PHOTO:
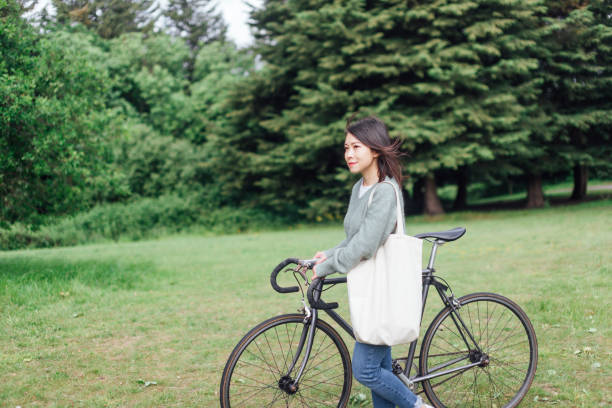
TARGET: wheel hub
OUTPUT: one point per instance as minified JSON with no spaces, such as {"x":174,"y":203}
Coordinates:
{"x":477,"y":356}
{"x":286,"y":384}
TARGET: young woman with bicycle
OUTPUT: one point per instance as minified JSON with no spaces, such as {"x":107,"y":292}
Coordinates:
{"x":369,"y":151}
{"x":479,"y":348}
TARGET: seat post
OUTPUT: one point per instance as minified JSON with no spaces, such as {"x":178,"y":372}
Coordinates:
{"x":432,"y":256}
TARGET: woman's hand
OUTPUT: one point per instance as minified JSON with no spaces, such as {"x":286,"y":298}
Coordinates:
{"x":320,"y":257}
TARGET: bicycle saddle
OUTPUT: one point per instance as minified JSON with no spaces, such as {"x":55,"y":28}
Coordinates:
{"x":449,"y":235}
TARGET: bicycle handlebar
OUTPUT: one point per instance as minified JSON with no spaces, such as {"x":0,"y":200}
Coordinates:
{"x":275,"y":272}
{"x":315,"y":285}
{"x":314,"y":295}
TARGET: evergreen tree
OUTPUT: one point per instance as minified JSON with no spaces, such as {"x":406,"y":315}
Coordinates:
{"x":109,"y":18}
{"x":27,"y":5}
{"x":198,"y":23}
{"x":451,"y":78}
{"x":577,"y":74}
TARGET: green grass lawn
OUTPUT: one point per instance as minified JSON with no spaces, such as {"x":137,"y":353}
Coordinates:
{"x":91,"y":325}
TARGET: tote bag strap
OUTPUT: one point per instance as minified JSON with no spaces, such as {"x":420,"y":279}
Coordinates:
{"x":398,"y":210}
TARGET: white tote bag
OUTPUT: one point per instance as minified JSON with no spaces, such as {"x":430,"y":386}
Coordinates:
{"x":385,"y":291}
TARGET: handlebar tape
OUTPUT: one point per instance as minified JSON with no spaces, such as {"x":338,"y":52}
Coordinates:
{"x":318,"y":304}
{"x":275,"y":272}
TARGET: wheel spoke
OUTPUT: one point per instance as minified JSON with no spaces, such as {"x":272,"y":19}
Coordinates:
{"x":265,"y":336}
{"x":499,"y":332}
{"x":282,"y":351}
{"x":250,"y":396}
{"x":242,"y":377}
{"x":276,"y":395}
{"x":252,"y":380}
{"x":270,"y":368}
{"x":479,"y":325}
{"x":290,"y":354}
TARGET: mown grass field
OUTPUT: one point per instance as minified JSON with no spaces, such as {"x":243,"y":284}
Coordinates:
{"x":92,"y":325}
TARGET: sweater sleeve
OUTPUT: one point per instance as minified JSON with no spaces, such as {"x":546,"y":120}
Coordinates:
{"x":379,"y":222}
{"x":330,"y":251}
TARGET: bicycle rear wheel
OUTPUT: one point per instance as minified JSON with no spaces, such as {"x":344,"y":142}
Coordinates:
{"x":508,"y":354}
{"x":258,"y":367}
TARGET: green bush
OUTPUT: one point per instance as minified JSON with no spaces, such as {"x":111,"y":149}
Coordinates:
{"x":139,"y":219}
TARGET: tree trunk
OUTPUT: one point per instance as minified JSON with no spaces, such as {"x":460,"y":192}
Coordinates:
{"x":535,"y":196}
{"x":415,"y":204}
{"x":581,"y":177}
{"x":431,"y":201}
{"x":462,"y":183}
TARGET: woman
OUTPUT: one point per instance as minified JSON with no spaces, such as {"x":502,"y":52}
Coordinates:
{"x":369,"y":151}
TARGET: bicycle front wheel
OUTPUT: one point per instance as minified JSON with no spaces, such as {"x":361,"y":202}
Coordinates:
{"x":257,"y":371}
{"x":499,"y":337}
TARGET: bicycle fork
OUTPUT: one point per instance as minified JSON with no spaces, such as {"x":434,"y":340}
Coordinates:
{"x":286,"y":383}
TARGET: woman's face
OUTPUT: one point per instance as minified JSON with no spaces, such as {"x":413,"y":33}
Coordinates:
{"x":359,"y":157}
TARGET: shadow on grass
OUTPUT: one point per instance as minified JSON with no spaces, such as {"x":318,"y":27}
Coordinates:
{"x":25,"y":280}
{"x":102,"y":274}
{"x":519,"y":204}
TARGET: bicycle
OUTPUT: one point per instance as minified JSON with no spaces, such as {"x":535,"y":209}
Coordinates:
{"x":479,"y":349}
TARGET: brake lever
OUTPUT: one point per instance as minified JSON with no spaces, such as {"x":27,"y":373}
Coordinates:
{"x":308,"y":263}
{"x":302,"y":271}
{"x":304,"y":267}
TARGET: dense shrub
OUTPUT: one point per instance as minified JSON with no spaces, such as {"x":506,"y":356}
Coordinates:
{"x":143,"y":218}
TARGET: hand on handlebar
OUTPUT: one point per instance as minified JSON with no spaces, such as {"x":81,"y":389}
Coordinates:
{"x":320,"y":257}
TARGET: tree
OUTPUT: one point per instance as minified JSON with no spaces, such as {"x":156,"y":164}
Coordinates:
{"x":198,"y":23}
{"x":109,"y":18}
{"x":50,"y":97}
{"x":452,"y":79}
{"x":577,"y":77}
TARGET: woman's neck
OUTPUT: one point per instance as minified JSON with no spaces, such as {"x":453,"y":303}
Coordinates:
{"x":370,"y":176}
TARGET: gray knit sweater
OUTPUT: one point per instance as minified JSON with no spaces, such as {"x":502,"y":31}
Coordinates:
{"x":366,"y":228}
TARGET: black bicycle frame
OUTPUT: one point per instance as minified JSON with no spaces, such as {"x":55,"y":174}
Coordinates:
{"x":429,"y":279}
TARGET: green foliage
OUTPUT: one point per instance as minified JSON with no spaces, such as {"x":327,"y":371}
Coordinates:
{"x":198,"y":23}
{"x":108,"y":18}
{"x":150,"y":75}
{"x":220,"y":68}
{"x":107,"y":111}
{"x":451,"y":79}
{"x":87,"y":120}
{"x":155,"y":165}
{"x":577,"y":76}
{"x":139,"y":219}
{"x":50,"y":98}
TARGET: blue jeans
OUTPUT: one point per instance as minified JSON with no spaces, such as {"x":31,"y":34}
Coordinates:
{"x":372,"y":368}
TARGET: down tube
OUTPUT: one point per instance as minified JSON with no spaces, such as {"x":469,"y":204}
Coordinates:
{"x":338,"y":319}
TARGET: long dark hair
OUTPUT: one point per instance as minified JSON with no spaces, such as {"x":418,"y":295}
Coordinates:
{"x":372,"y":132}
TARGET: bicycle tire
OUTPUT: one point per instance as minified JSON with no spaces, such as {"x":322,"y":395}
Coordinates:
{"x":503,"y":332}
{"x":259,"y":361}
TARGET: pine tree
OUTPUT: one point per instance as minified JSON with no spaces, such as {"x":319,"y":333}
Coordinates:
{"x":451,"y":78}
{"x":198,"y":23}
{"x":577,"y":74}
{"x":109,"y":18}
